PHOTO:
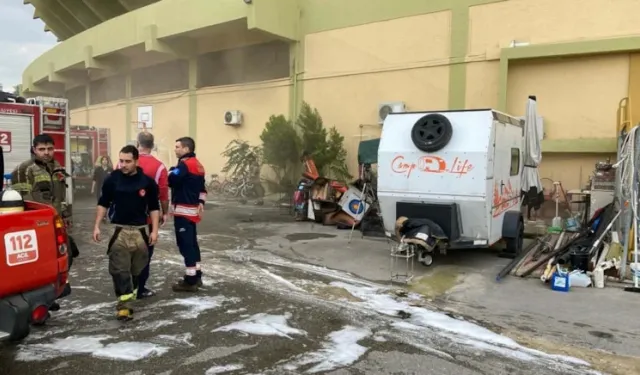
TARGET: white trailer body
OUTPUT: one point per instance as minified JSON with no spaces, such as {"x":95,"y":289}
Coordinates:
{"x":460,"y":169}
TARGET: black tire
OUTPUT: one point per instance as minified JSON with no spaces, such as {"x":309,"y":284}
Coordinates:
{"x":432,"y":132}
{"x":515,"y":245}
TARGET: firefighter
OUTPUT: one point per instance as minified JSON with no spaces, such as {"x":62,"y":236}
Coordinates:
{"x":133,"y":197}
{"x":155,"y":169}
{"x":188,"y":196}
{"x":42,"y":179}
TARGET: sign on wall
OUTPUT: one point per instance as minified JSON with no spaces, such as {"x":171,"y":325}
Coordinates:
{"x":145,"y":117}
{"x":5,"y":141}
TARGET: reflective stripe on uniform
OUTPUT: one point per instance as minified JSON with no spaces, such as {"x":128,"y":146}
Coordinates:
{"x":22,"y":186}
{"x":127,"y":297}
{"x":185,"y":210}
{"x":191,"y":271}
{"x":40,"y":177}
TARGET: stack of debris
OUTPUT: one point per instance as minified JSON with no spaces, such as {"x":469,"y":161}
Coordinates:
{"x":576,"y":257}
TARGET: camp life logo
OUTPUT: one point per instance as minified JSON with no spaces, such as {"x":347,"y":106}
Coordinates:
{"x":431,"y":164}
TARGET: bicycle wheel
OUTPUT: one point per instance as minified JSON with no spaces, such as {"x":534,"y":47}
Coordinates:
{"x":238,"y":191}
{"x":228,"y":189}
{"x":213,"y":187}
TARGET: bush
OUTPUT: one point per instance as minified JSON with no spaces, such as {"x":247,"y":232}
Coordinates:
{"x":240,"y":156}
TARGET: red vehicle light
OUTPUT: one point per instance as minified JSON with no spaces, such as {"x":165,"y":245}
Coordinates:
{"x":61,"y":236}
{"x":39,"y":314}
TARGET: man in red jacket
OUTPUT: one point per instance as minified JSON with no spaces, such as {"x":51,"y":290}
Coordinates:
{"x":188,"y":196}
{"x":156,"y":170}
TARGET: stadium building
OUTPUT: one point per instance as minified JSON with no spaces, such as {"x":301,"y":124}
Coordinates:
{"x":180,"y":66}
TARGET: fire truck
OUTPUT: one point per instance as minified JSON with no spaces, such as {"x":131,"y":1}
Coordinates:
{"x":87,"y":146}
{"x":22,"y":119}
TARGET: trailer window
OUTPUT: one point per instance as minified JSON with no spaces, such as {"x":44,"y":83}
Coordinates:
{"x":515,"y":162}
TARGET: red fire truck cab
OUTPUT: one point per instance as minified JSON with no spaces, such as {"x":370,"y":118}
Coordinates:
{"x":20,"y":122}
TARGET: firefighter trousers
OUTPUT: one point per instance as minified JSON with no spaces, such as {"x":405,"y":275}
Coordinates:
{"x":128,"y":255}
{"x":187,"y":241}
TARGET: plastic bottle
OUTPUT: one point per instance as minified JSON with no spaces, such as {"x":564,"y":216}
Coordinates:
{"x":598,"y":277}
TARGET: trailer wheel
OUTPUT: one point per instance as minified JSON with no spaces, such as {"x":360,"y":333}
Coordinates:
{"x":514,"y":245}
{"x":432,"y":132}
{"x":425,"y":259}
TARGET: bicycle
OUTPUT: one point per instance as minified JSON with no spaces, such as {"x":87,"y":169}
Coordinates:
{"x":239,"y":186}
{"x":214,"y":185}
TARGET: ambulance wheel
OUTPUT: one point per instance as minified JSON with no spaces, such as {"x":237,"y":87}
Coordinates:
{"x":432,"y":132}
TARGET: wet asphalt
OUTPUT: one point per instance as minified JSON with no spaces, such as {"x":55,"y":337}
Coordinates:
{"x":256,"y":314}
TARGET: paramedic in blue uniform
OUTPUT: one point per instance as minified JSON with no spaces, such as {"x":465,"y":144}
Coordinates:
{"x":188,"y":195}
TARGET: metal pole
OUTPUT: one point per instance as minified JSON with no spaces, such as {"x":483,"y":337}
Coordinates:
{"x":362,"y":197}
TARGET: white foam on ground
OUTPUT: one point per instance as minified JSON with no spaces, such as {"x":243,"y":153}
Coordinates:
{"x":181,"y":339}
{"x":152,"y":325}
{"x":92,"y":345}
{"x":460,"y":331}
{"x":341,"y":349}
{"x":96,"y":308}
{"x":130,"y":351}
{"x":281,"y":280}
{"x":196,"y":305}
{"x":310,"y":268}
{"x":222,"y":369}
{"x":235,"y":311}
{"x":263,"y":325}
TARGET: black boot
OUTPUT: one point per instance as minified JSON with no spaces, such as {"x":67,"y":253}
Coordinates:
{"x":188,"y":284}
{"x":199,"y":276}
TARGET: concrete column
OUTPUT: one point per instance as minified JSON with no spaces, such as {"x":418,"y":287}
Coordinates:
{"x":128,"y":106}
{"x":87,"y":102}
{"x":193,"y":97}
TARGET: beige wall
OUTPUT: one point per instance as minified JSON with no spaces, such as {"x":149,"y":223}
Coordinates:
{"x":547,"y":21}
{"x":482,"y":84}
{"x":349,"y":71}
{"x":171,"y":119}
{"x":257,"y":103}
{"x":573,"y":170}
{"x":578,"y":97}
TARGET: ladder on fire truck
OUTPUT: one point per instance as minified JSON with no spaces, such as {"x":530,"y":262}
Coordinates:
{"x":51,"y":107}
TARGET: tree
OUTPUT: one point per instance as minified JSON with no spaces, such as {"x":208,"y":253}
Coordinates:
{"x":326,"y":148}
{"x":281,"y":149}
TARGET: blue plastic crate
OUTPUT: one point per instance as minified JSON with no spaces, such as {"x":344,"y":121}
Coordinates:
{"x":560,"y":281}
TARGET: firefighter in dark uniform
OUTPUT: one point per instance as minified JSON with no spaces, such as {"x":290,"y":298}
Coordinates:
{"x":42,"y":179}
{"x":188,"y":196}
{"x":132,"y":197}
